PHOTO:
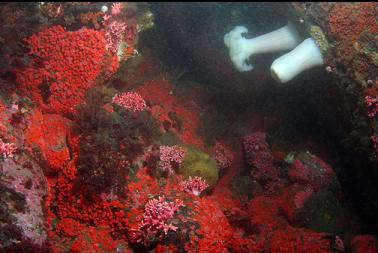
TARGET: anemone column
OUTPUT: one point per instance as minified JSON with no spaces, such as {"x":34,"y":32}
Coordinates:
{"x":305,"y":56}
{"x":241,"y":49}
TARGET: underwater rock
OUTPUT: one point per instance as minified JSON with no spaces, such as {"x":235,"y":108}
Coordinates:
{"x":325,"y":211}
{"x":307,"y":169}
{"x":25,"y":188}
{"x":259,"y":157}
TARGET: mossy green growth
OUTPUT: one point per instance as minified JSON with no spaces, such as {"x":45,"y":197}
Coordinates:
{"x":198,"y":163}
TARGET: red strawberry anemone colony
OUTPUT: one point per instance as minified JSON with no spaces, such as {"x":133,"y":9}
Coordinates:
{"x":125,"y":128}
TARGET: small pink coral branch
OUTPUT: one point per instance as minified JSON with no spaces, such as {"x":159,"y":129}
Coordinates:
{"x":155,"y":223}
{"x":169,"y":155}
{"x":372,"y":105}
{"x":116,"y":8}
{"x":7,"y":149}
{"x":130,"y":101}
{"x":119,"y":34}
{"x":259,"y":157}
{"x":223,"y":156}
{"x":194,"y":185}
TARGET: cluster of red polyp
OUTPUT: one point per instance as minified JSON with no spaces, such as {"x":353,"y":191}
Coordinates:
{"x":48,"y":133}
{"x":85,"y":238}
{"x":210,"y":218}
{"x":68,"y":206}
{"x":299,"y":240}
{"x":352,"y":23}
{"x":63,"y":66}
{"x":354,"y":27}
{"x":74,"y":224}
{"x":171,"y":111}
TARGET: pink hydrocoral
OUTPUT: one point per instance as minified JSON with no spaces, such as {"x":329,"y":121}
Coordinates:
{"x":259,"y":157}
{"x":372,"y":105}
{"x":155,"y":223}
{"x":7,"y":149}
{"x":170,"y":154}
{"x":114,"y":33}
{"x":130,"y":101}
{"x":116,"y":8}
{"x":223,"y":156}
{"x":194,"y":185}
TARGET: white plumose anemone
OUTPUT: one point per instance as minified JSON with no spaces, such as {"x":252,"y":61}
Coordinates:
{"x":241,"y":49}
{"x":305,"y":56}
